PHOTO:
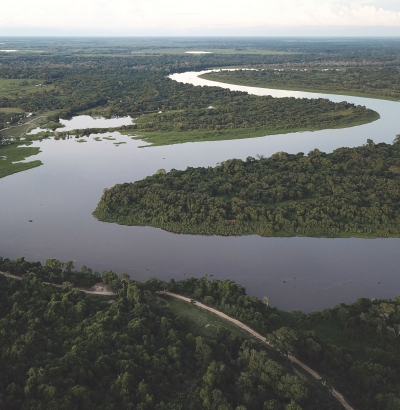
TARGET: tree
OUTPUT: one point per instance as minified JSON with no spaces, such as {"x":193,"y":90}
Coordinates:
{"x":283,"y":339}
{"x":54,"y":264}
{"x":69,"y":265}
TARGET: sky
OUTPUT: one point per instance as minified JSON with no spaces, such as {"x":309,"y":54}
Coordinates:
{"x":202,"y":18}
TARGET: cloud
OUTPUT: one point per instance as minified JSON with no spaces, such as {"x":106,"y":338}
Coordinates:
{"x":182,"y":16}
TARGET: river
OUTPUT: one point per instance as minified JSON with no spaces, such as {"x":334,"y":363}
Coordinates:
{"x":295,"y":273}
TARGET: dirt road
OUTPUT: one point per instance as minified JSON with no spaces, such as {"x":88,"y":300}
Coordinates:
{"x":25,"y":123}
{"x":89,"y":292}
{"x":339,"y":397}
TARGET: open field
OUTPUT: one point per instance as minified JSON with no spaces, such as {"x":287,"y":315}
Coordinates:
{"x":11,"y":110}
{"x":17,"y":131}
{"x":200,"y":321}
{"x":17,"y":86}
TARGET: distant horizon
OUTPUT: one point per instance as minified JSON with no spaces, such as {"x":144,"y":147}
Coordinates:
{"x":291,"y":36}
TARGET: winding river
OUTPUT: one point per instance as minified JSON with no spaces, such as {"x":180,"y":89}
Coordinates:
{"x":295,"y":273}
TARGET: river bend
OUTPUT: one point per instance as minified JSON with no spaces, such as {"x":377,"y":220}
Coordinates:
{"x":295,"y":273}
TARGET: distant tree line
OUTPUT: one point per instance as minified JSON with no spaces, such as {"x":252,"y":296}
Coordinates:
{"x":379,"y":81}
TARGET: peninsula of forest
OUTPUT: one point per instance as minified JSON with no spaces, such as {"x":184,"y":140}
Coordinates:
{"x":351,"y":192}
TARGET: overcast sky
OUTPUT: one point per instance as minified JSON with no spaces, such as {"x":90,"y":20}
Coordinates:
{"x":206,"y":17}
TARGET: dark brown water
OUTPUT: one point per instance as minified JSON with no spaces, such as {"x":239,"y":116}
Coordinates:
{"x":295,"y":273}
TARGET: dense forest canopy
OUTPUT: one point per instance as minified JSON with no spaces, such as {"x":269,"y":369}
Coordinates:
{"x":355,"y":347}
{"x":125,"y":76}
{"x":349,"y":192}
{"x":132,"y":352}
{"x":62,"y":350}
{"x":136,"y":92}
{"x":381,"y":81}
{"x":48,"y":79}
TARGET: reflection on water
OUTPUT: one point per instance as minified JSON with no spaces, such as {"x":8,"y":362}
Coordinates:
{"x":86,"y":121}
{"x":295,"y":273}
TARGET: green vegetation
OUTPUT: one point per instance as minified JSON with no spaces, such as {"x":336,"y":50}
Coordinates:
{"x":52,"y":125}
{"x":374,"y":82}
{"x":165,"y":106}
{"x":144,"y":351}
{"x":200,"y":321}
{"x":60,"y":349}
{"x":350,"y":192}
{"x":12,"y":153}
{"x":11,"y":110}
{"x":232,"y":115}
{"x":114,"y":80}
{"x":15,"y":124}
{"x":9,"y":86}
{"x":176,"y":137}
{"x":355,"y":347}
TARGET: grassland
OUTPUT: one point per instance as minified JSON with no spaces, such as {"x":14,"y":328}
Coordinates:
{"x":158,"y":138}
{"x":11,"y":110}
{"x":14,"y":153}
{"x":16,"y":86}
{"x":18,"y":131}
{"x":198,"y":320}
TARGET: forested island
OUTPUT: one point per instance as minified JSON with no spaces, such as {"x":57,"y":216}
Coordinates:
{"x":374,"y":82}
{"x":62,"y":348}
{"x":349,"y":192}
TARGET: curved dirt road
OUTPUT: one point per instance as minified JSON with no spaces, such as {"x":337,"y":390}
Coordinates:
{"x":339,"y":397}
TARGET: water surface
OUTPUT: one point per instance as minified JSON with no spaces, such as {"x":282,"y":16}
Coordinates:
{"x":295,"y":273}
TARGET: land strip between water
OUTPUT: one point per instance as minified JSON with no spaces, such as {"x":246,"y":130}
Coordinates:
{"x":338,"y":396}
{"x":370,"y":82}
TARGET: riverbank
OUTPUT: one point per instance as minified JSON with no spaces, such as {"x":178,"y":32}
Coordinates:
{"x":338,"y":396}
{"x":252,"y":78}
{"x":351,"y":192}
{"x":180,"y":137}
